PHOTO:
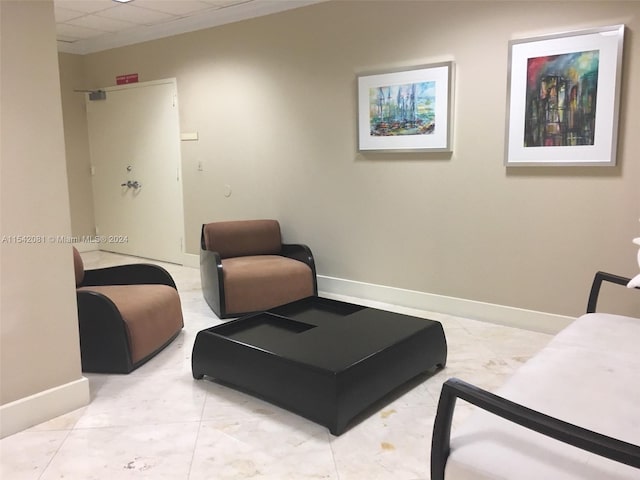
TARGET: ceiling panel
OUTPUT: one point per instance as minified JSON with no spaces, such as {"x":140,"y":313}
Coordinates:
{"x":227,"y":3}
{"x":85,"y":6}
{"x":141,"y":16}
{"x":101,"y":23}
{"x":86,"y":26}
{"x":64,"y":15}
{"x":175,"y":7}
{"x":77,"y":32}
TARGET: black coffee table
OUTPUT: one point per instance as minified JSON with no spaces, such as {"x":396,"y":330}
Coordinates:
{"x":323,"y":359}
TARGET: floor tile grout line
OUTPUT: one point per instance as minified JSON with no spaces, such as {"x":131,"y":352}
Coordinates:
{"x":66,"y":437}
{"x":333,"y":454}
{"x":195,"y":443}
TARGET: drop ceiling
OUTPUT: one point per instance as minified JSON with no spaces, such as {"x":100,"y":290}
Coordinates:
{"x":87,"y":26}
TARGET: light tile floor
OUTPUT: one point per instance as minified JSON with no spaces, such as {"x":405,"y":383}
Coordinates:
{"x":160,"y":423}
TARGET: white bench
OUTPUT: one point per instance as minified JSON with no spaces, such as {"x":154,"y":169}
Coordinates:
{"x":542,"y":424}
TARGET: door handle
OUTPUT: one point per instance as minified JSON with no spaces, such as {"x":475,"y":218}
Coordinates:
{"x":135,"y":184}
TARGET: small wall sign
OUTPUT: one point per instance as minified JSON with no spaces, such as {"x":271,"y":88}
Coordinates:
{"x":128,"y":78}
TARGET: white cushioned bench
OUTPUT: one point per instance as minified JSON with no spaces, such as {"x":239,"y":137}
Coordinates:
{"x":586,"y":380}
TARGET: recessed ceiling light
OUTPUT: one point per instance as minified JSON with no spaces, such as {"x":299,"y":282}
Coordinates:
{"x":123,"y":1}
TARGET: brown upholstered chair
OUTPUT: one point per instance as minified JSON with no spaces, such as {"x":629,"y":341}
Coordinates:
{"x":245,"y":267}
{"x":127,"y":314}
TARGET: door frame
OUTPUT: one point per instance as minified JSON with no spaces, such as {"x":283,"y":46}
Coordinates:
{"x":173,"y":81}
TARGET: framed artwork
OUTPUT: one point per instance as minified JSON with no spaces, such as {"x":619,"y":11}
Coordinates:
{"x":408,"y":110}
{"x":563,"y":98}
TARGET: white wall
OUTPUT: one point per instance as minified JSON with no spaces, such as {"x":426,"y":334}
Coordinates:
{"x":39,"y":346}
{"x":274,"y":102}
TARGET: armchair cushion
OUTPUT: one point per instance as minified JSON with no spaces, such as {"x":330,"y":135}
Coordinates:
{"x":634,"y":282}
{"x":242,"y":238}
{"x":151,"y":314}
{"x":261,"y":282}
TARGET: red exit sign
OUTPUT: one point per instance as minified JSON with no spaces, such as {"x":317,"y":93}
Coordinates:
{"x":128,"y":78}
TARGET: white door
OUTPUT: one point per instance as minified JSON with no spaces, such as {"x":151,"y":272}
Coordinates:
{"x":134,"y":140}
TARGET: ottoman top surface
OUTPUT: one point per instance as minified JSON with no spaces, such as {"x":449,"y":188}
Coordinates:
{"x":325,"y":334}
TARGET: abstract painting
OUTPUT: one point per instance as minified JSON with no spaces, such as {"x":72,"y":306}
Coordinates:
{"x":407,"y":110}
{"x":564,"y":93}
{"x":402,"y":109}
{"x":561,"y":99}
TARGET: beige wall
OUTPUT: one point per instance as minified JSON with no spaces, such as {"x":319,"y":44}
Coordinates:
{"x":39,"y":346}
{"x":273,"y":101}
{"x":72,"y":78}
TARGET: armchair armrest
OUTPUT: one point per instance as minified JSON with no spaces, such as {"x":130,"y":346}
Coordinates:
{"x":303,"y":254}
{"x":298,"y":252}
{"x":454,"y":388}
{"x":597,"y":283}
{"x":103,"y":335}
{"x":138,"y":273}
{"x":212,"y":281}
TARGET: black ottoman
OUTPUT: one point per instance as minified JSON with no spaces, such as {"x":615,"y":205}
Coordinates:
{"x":323,"y":359}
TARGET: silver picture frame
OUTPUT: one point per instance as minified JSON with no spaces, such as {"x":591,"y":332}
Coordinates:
{"x":563,"y":98}
{"x":408,"y":110}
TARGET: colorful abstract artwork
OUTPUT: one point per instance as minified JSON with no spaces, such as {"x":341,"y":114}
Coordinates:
{"x":561,"y":96}
{"x":564,"y":98}
{"x":407,"y":109}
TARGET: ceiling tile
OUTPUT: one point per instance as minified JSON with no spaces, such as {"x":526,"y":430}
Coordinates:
{"x":175,"y":7}
{"x":86,"y":26}
{"x":227,"y":3}
{"x":143,"y":16}
{"x":74,"y":31}
{"x":63,"y":14}
{"x":104,"y":24}
{"x":86,"y":6}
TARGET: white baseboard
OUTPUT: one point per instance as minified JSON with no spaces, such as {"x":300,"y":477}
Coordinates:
{"x":488,"y":312}
{"x":40,"y":407}
{"x":459,"y":307}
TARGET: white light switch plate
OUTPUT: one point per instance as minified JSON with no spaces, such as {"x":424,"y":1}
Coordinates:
{"x":189,"y":136}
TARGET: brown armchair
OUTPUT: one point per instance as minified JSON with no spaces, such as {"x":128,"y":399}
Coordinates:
{"x":126,"y":314}
{"x":245,"y":267}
